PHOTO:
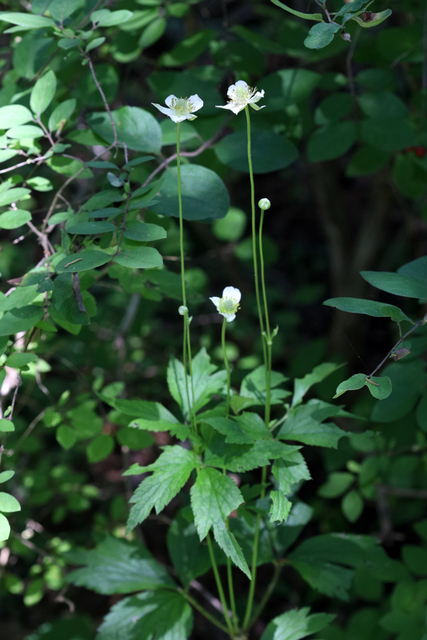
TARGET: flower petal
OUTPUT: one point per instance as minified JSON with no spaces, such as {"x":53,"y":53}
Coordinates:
{"x":170,"y":100}
{"x":165,"y":110}
{"x":196,"y":102}
{"x":233,"y":293}
{"x":216,"y":301}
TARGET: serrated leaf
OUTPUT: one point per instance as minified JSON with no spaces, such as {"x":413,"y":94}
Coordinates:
{"x":244,"y":429}
{"x":228,"y":543}
{"x":164,"y":615}
{"x":170,"y":472}
{"x":304,"y":423}
{"x":289,"y":469}
{"x":280,"y":507}
{"x":296,"y":624}
{"x":213,"y":497}
{"x":319,"y":373}
{"x":240,"y":458}
{"x":117,"y":566}
{"x":254,"y":387}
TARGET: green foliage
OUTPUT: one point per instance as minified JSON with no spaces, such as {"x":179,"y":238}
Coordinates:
{"x":110,"y":395}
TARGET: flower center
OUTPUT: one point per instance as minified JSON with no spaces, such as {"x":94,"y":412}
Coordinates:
{"x":241,"y":95}
{"x":182,"y":106}
{"x":228,"y":305}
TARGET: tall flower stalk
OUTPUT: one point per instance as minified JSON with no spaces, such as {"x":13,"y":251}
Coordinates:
{"x":178,"y":110}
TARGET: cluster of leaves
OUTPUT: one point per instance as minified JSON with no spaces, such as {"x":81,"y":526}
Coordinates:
{"x":90,"y":188}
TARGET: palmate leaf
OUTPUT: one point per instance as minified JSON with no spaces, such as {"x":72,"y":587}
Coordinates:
{"x":304,"y":423}
{"x":170,"y":472}
{"x":207,"y":381}
{"x":163,"y":615}
{"x":296,"y":624}
{"x":117,"y":566}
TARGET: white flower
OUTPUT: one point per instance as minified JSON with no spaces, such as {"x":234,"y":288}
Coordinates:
{"x":228,"y":305}
{"x":180,"y":109}
{"x":241,"y":94}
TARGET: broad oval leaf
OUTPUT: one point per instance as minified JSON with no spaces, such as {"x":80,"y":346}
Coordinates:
{"x":204,"y":195}
{"x":43,"y":92}
{"x":8,"y":503}
{"x":82,"y":261}
{"x":14,"y":218}
{"x":331,"y":141}
{"x":321,"y":35}
{"x":140,"y":258}
{"x":144,"y":232}
{"x":27,"y":20}
{"x":13,"y":115}
{"x":4,"y":528}
{"x":270,"y":151}
{"x":20,"y":319}
{"x":136,"y":128}
{"x":396,"y":283}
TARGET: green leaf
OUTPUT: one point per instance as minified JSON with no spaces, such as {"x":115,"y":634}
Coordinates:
{"x":204,"y":195}
{"x":24,"y":132}
{"x":388,"y":134}
{"x":289,"y":469}
{"x":380,"y":388}
{"x":213,"y":497}
{"x":369,"y":308}
{"x":396,"y":283}
{"x":13,"y":115}
{"x":6,"y":475}
{"x":20,"y":360}
{"x":170,"y":472}
{"x":357,"y":381}
{"x":331,"y":141}
{"x":304,"y":423}
{"x":228,"y":543}
{"x":4,"y":528}
{"x":382,"y":104}
{"x":8,"y":504}
{"x":6,"y":426}
{"x":163,"y":615}
{"x":270,"y":151}
{"x":26,"y":20}
{"x":379,"y":17}
{"x":14,"y":218}
{"x":20,"y":320}
{"x":352,"y":506}
{"x":13,"y":195}
{"x":105,"y":18}
{"x":207,"y":381}
{"x":190,"y":558}
{"x":254,"y":387}
{"x":59,"y":116}
{"x":189,"y":48}
{"x":136,"y":128}
{"x":144,"y":232}
{"x":409,"y":380}
{"x":99,"y":448}
{"x":61,"y":9}
{"x":43,"y":93}
{"x":139,"y":258}
{"x":244,"y":429}
{"x":66,"y":436}
{"x":296,"y":624}
{"x":91,"y":227}
{"x":319,"y":373}
{"x":306,"y":16}
{"x":117,"y":566}
{"x":326,"y":563}
{"x":336,"y":484}
{"x":150,"y":416}
{"x":321,"y":35}
{"x":93,"y":44}
{"x":280,"y":507}
{"x":153,"y":32}
{"x":240,"y":458}
{"x":83,"y":261}
{"x":416,"y":559}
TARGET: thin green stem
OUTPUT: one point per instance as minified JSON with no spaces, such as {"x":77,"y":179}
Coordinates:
{"x":186,"y":344}
{"x":203,"y":611}
{"x":267,"y":335}
{"x":219,"y":587}
{"x":253,"y":218}
{"x":267,"y":594}
{"x":227,"y":367}
{"x":231,"y":590}
{"x":251,"y":594}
